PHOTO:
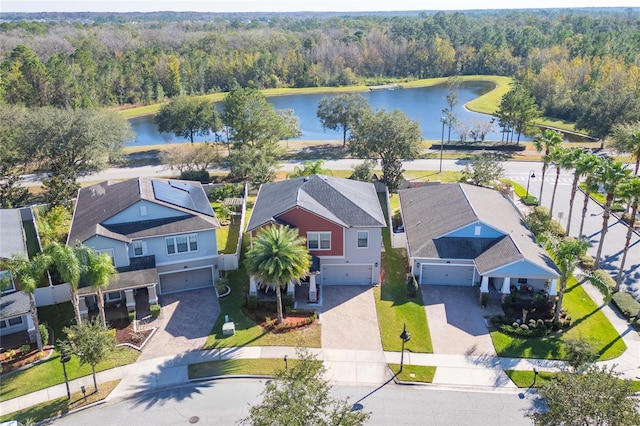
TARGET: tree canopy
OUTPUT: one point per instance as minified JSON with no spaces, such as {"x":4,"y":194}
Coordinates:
{"x":389,"y":136}
{"x":188,"y":117}
{"x":301,"y":396}
{"x":342,"y":112}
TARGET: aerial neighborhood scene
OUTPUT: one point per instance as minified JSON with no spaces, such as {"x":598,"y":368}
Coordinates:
{"x":330,"y":213}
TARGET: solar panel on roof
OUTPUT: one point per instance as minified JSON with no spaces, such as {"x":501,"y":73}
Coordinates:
{"x":182,"y":195}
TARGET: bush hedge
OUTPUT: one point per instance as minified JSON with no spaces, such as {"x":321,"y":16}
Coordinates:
{"x":196,"y":175}
{"x":478,"y":146}
{"x":155,"y":310}
{"x":602,"y":279}
{"x":626,"y":303}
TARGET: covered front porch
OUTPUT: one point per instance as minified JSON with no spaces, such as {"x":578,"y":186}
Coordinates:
{"x":310,"y":279}
{"x":523,"y":286}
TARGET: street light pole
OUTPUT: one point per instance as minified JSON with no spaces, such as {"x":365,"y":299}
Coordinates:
{"x":531,"y":175}
{"x":64,"y":358}
{"x":405,"y":338}
{"x":441,"y":143}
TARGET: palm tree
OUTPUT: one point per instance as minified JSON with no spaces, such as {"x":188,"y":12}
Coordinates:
{"x":610,"y":175}
{"x":545,"y":142}
{"x":626,"y":138}
{"x":565,"y":252}
{"x":591,"y":167}
{"x":97,"y":270}
{"x":277,"y":257}
{"x":563,"y":159}
{"x":630,"y":191}
{"x":584,"y":163}
{"x":309,"y":168}
{"x":29,"y":272}
{"x":68,"y":265}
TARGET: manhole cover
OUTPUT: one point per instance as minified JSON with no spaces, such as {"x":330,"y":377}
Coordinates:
{"x":194,"y":419}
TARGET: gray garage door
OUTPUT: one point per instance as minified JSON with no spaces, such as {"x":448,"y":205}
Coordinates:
{"x":187,"y":280}
{"x":447,"y":275}
{"x":346,"y":274}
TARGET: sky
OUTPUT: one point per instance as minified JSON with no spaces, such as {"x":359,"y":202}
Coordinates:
{"x":292,"y":5}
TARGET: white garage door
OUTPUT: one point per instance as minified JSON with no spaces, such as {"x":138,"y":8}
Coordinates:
{"x":346,"y":274}
{"x":447,"y":275}
{"x":186,"y":280}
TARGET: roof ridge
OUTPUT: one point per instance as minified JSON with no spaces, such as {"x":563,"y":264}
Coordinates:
{"x":466,"y":197}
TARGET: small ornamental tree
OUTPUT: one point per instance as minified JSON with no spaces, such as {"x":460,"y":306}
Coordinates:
{"x":300,"y":396}
{"x":91,"y":342}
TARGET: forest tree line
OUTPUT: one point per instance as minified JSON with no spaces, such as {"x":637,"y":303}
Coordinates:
{"x":577,"y":65}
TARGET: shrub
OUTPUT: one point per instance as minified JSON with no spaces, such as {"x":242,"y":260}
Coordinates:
{"x":602,"y":279}
{"x":617,"y":208}
{"x":626,"y":304}
{"x":540,"y":322}
{"x":25,"y":349}
{"x":287,"y":300}
{"x":228,"y":190}
{"x":198,"y":175}
{"x":10,"y":354}
{"x":530,"y":201}
{"x":155,"y":310}
{"x":523,"y":330}
{"x":44,"y":333}
{"x":587,"y":262}
{"x":412,"y":285}
{"x":524,"y":327}
{"x":132,"y":316}
{"x":484,"y":299}
{"x":252,"y":302}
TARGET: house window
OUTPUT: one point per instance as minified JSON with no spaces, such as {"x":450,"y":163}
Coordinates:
{"x":110,"y":252}
{"x":363,"y":239}
{"x":477,"y":230}
{"x":522,"y":280}
{"x":182,"y":244}
{"x":6,"y":280}
{"x":138,"y":248}
{"x":143,"y":210}
{"x":113,"y":296}
{"x":3,"y":324}
{"x":319,"y":240}
{"x":15,"y":321}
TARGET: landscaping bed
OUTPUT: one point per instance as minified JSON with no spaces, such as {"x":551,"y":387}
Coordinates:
{"x":15,"y":358}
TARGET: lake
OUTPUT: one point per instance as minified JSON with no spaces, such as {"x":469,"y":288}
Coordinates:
{"x":423,"y":104}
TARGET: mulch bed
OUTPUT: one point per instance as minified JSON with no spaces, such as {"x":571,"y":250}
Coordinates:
{"x":21,"y":359}
{"x":126,"y":335}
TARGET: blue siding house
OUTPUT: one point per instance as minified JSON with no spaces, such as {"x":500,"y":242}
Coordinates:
{"x":161,"y":235}
{"x":459,"y":234}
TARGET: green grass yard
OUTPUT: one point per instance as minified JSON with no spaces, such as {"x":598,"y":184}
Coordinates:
{"x":524,"y":378}
{"x":254,"y":367}
{"x":414,"y":373}
{"x":588,"y":322}
{"x":393,"y":305}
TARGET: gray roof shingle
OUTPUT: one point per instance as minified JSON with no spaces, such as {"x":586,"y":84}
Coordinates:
{"x":346,"y":202}
{"x":432,"y":212}
{"x":99,"y":202}
{"x":14,"y":304}
{"x":12,"y":238}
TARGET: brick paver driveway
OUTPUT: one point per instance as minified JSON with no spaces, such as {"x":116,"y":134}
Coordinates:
{"x":185,"y":323}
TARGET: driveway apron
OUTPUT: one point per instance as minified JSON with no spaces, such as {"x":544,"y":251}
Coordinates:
{"x":184,"y":324}
{"x":456,"y":321}
{"x":349,"y":320}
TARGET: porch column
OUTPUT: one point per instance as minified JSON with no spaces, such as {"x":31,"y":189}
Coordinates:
{"x":253,"y":288}
{"x":553,"y":287}
{"x":131,"y":301}
{"x":82,"y":307}
{"x":153,"y":295}
{"x":506,"y":285}
{"x":484,"y":285}
{"x":313,"y":290}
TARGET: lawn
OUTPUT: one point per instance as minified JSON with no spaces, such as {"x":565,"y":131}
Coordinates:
{"x":414,"y":373}
{"x":524,"y":378}
{"x":393,"y":305}
{"x":59,"y":406}
{"x":253,"y":367}
{"x":49,"y":372}
{"x":248,"y":332}
{"x":588,"y":322}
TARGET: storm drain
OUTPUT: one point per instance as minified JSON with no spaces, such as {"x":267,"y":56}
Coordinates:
{"x":194,"y":419}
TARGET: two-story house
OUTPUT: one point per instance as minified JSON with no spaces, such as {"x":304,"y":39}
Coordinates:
{"x":341,"y":220}
{"x":459,"y":234}
{"x":15,"y":314}
{"x":161,"y":235}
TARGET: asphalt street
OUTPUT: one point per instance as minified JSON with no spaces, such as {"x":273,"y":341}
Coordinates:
{"x":224,"y":402}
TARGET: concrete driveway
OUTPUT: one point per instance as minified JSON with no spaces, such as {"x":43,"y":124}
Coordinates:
{"x":457,"y":322}
{"x":349,"y":320}
{"x":184,"y":324}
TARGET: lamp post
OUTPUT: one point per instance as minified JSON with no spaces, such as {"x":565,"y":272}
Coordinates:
{"x":405,"y":338}
{"x":441,"y":143}
{"x":531,"y":175}
{"x":535,"y":376}
{"x":286,"y":362}
{"x":64,"y":358}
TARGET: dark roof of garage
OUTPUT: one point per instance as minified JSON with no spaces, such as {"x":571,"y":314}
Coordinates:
{"x":430,"y":213}
{"x":99,"y":202}
{"x":14,"y":304}
{"x":346,"y":202}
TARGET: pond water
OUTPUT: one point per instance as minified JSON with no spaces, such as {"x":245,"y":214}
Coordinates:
{"x":423,"y":104}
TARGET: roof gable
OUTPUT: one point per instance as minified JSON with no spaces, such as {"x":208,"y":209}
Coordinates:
{"x":345,"y":202}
